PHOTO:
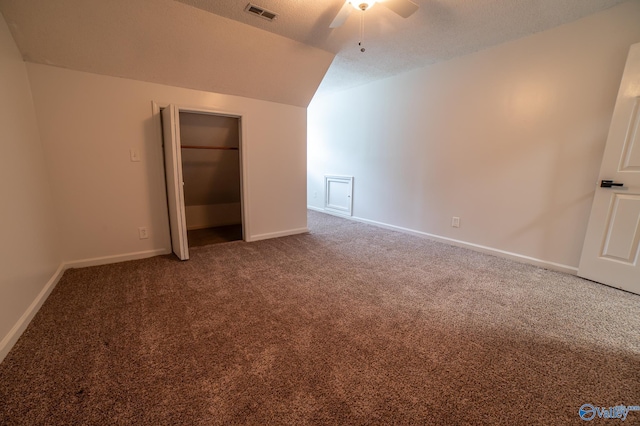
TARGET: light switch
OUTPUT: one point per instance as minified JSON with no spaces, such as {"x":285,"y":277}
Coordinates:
{"x":135,"y":157}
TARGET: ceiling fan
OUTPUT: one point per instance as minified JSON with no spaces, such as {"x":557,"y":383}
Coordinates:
{"x":404,"y":8}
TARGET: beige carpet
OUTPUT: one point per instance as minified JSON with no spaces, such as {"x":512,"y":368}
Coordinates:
{"x":350,"y":324}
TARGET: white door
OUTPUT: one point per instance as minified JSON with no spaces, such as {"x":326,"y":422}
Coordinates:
{"x":611,"y":247}
{"x":175,"y":190}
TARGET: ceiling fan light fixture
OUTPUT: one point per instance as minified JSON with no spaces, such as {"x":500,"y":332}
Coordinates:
{"x":362,"y":4}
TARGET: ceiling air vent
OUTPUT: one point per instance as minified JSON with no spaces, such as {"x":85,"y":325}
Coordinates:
{"x":258,"y":11}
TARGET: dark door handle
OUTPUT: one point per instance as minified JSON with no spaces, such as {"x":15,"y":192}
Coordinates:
{"x":609,"y":184}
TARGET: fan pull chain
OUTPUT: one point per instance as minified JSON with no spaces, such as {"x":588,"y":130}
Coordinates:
{"x":361,"y":42}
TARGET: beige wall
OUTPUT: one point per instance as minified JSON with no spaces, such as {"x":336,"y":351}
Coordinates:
{"x":29,"y":253}
{"x":508,"y":139}
{"x":89,"y":123}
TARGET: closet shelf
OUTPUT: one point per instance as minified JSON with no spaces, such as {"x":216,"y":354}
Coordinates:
{"x":208,"y":147}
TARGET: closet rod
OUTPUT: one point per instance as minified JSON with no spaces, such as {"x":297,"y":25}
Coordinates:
{"x":208,"y":147}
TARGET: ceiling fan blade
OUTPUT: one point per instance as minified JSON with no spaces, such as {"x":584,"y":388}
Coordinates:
{"x":404,"y":8}
{"x":341,"y":16}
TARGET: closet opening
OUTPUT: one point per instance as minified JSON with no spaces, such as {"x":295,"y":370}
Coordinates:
{"x":210,"y":146}
{"x":203,"y":169}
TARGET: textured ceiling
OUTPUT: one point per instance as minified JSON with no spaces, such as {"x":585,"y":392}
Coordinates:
{"x":439,"y":30}
{"x":214,"y":45}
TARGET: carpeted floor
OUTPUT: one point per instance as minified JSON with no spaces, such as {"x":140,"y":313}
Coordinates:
{"x":350,"y":324}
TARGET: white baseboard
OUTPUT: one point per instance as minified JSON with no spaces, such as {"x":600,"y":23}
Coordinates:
{"x":277,"y":234}
{"x":16,"y":331}
{"x":105,"y":260}
{"x":458,"y":243}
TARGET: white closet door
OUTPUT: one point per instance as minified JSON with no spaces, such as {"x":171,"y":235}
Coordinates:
{"x":611,"y":250}
{"x":175,"y":190}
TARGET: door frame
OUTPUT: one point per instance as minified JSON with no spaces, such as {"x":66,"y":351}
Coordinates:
{"x":156,"y":109}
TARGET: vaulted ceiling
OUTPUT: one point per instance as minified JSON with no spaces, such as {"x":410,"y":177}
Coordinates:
{"x":215,"y":45}
{"x":167,"y":42}
{"x":439,"y":30}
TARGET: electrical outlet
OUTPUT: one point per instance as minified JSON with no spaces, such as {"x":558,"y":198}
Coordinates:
{"x":134,"y":156}
{"x":143,"y":233}
{"x":315,"y":194}
{"x":455,"y":222}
